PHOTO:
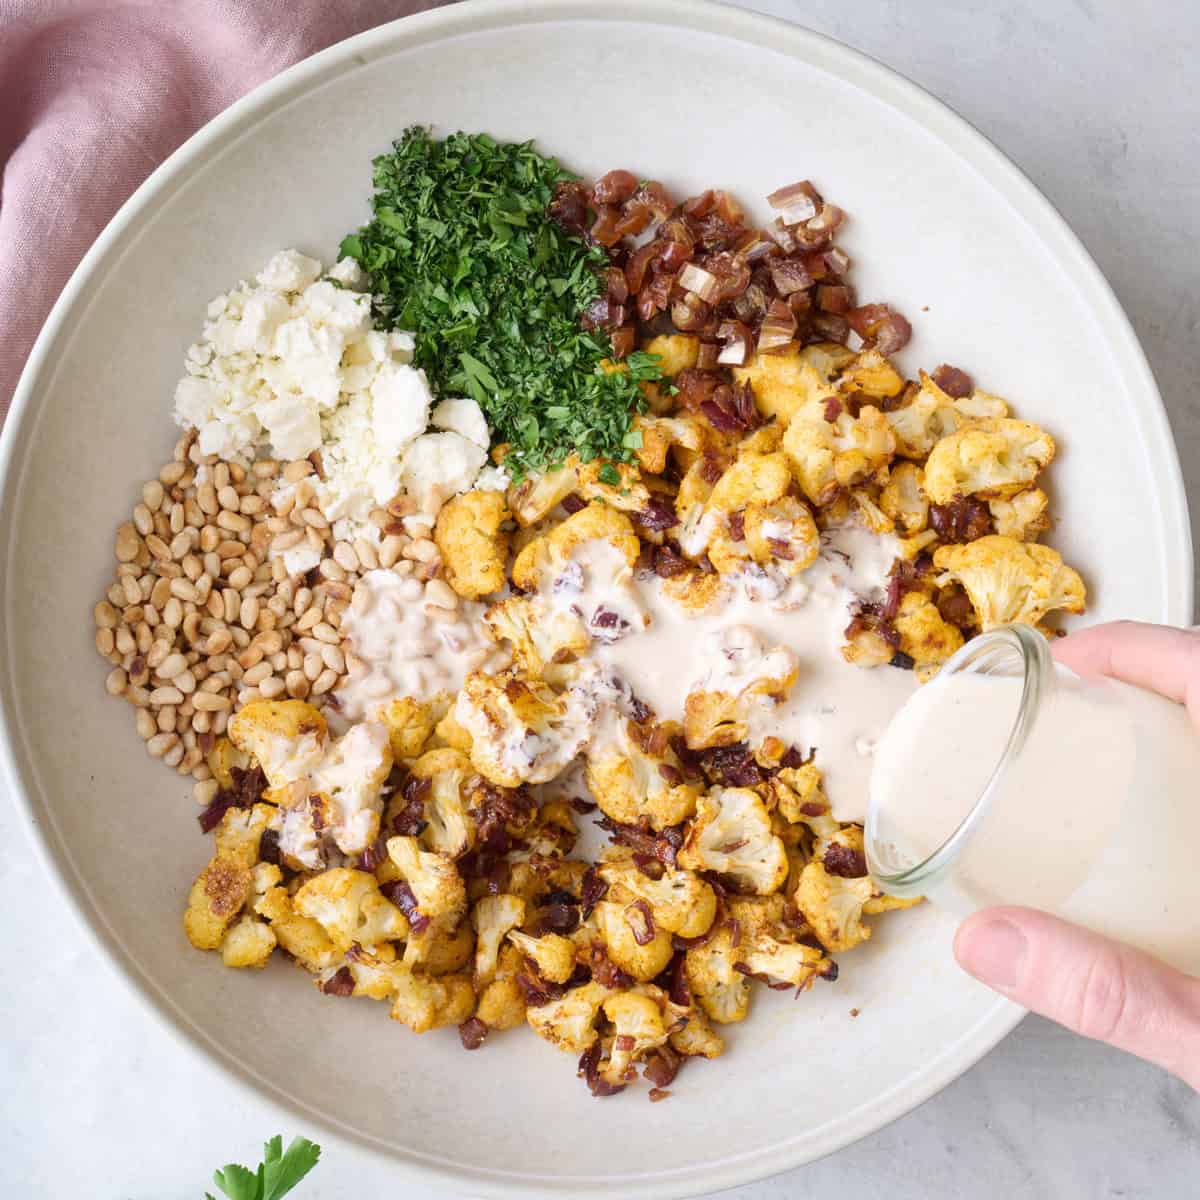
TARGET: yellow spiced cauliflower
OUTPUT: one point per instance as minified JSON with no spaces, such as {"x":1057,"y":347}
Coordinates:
{"x":831,"y":450}
{"x":474,"y":547}
{"x":550,"y":552}
{"x":993,"y":458}
{"x":784,"y":383}
{"x":931,"y":414}
{"x":1009,"y":581}
{"x":541,"y":636}
{"x":731,"y":835}
{"x":1023,"y":516}
{"x":635,"y":775}
{"x":782,"y":533}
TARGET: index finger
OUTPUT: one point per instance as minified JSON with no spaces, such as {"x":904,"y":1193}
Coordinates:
{"x":1158,"y":657}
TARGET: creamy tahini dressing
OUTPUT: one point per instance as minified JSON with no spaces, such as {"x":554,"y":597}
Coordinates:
{"x":834,"y":709}
{"x":399,"y":649}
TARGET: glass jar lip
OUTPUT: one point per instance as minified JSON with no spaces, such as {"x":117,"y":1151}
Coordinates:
{"x":1014,"y":645}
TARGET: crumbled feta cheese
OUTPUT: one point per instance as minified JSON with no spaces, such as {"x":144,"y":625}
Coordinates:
{"x":493,"y":479}
{"x":440,"y":465}
{"x":292,"y":363}
{"x":349,"y":274}
{"x":462,"y":415}
{"x":289,"y":271}
{"x":300,"y":559}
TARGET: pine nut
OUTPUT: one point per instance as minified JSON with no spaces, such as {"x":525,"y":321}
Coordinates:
{"x":365,"y":552}
{"x":174,"y":756}
{"x":439,"y":592}
{"x":313,"y":666}
{"x":362,"y":599}
{"x":271,"y":687}
{"x":172,"y":665}
{"x":228,"y":498}
{"x":105,"y":641}
{"x":293,"y":472}
{"x":160,"y":743}
{"x":233,"y":522}
{"x":166,"y":695}
{"x":248,"y":614}
{"x":152,"y":495}
{"x":421,"y":550}
{"x":125,"y":642}
{"x":326,"y":680}
{"x":105,"y":615}
{"x":390,"y":550}
{"x":240,"y":577}
{"x":185,"y":681}
{"x":325,"y":632}
{"x":333,"y":658}
{"x":116,"y":681}
{"x":183,"y":589}
{"x":210,"y":702}
{"x":146,"y":726}
{"x":127,"y":543}
{"x":256,"y":674}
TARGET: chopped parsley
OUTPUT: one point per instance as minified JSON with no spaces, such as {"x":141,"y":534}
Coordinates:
{"x":463,"y":254}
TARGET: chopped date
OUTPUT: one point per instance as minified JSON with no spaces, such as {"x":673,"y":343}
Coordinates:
{"x":248,"y":787}
{"x":844,"y":861}
{"x":472,"y":1033}
{"x":589,"y":1070}
{"x":962,"y":520}
{"x":340,"y":983}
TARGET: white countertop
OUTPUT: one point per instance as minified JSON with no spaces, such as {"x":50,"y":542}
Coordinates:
{"x":1102,"y":110}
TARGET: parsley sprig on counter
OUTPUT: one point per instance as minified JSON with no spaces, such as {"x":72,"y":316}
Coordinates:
{"x":277,"y":1174}
{"x":464,"y":255}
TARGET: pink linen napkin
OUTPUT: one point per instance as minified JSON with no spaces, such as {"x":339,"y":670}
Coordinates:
{"x":94,"y":95}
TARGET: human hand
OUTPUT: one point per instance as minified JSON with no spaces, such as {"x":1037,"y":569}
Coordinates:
{"x":1096,"y":987}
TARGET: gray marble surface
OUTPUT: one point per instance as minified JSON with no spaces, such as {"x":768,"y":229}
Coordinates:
{"x":1097,"y":101}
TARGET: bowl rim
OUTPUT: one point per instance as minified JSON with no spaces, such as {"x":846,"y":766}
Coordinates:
{"x":737,"y":25}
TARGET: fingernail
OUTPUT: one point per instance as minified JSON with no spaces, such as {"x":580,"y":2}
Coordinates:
{"x":994,"y":952}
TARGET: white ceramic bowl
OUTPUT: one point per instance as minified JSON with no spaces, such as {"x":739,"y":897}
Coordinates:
{"x":697,"y":96}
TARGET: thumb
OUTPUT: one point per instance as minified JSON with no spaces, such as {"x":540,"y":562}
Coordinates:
{"x":1093,"y":986}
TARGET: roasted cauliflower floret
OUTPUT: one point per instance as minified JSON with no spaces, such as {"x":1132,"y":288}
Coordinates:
{"x":751,"y":479}
{"x":302,"y":937}
{"x":540,"y":635}
{"x":502,"y":1003}
{"x":634,"y":942}
{"x":782,"y":533}
{"x":660,"y":434}
{"x":223,"y":757}
{"x":434,"y":879}
{"x":248,"y":943}
{"x":697,"y":1039}
{"x":551,"y":953}
{"x":800,"y":799}
{"x":522,"y":731}
{"x":552,"y":551}
{"x":440,"y":948}
{"x":409,"y":724}
{"x":287,"y":737}
{"x":680,"y":902}
{"x":743,"y":674}
{"x":450,"y":830}
{"x":473,"y":543}
{"x":828,"y":455}
{"x":348,"y":905}
{"x":570,"y":1021}
{"x":422,"y":1002}
{"x":731,"y":835}
{"x":695,"y":591}
{"x":924,"y":636}
{"x":227,"y":882}
{"x":932,"y":414}
{"x":634,"y":774}
{"x":721,"y":991}
{"x":1009,"y":581}
{"x":767,"y":947}
{"x":642,"y":1021}
{"x":870,"y":374}
{"x":833,"y":906}
{"x":538,"y":494}
{"x":493,"y":917}
{"x":991,"y":459}
{"x":784,"y":383}
{"x":351,"y":776}
{"x":1023,"y":516}
{"x":676,"y":352}
{"x":628,"y":494}
{"x":903,"y":499}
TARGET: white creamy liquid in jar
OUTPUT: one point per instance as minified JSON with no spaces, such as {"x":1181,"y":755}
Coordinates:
{"x":1095,"y":818}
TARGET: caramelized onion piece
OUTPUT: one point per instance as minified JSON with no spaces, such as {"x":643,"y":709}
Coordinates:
{"x":737,"y":339}
{"x":689,"y":312}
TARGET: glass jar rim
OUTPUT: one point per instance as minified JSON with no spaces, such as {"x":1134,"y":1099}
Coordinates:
{"x":1013,"y":645}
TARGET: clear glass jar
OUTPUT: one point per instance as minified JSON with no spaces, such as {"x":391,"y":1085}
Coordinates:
{"x":1009,"y":779}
